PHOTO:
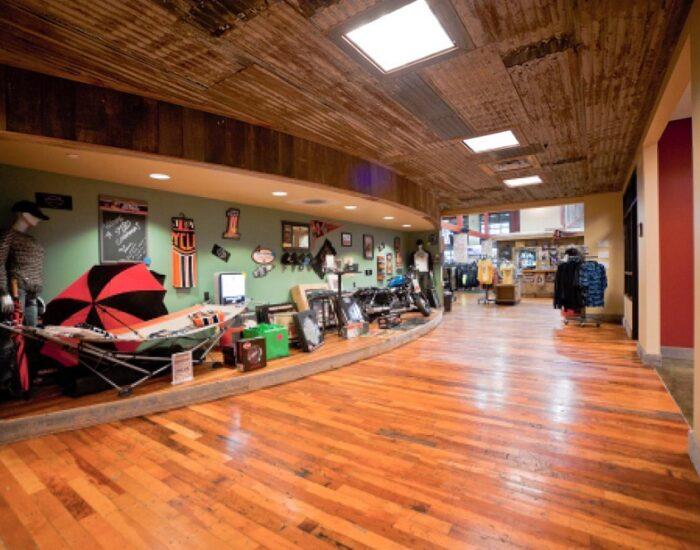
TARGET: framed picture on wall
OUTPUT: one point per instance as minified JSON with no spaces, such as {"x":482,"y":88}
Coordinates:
{"x":346,"y":239}
{"x":368,"y":246}
{"x":296,"y":236}
{"x":122,"y":230}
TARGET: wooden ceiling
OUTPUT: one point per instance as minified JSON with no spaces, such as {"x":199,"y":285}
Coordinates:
{"x":575,"y":80}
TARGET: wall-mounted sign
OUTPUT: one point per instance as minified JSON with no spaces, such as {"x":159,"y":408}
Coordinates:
{"x":262,"y":270}
{"x":122,"y":229}
{"x":184,"y":253}
{"x":368,"y":247}
{"x":321,"y":228}
{"x":221,"y":253}
{"x":397,"y":251}
{"x":54,"y":201}
{"x":263,"y":255}
{"x":232,"y":216}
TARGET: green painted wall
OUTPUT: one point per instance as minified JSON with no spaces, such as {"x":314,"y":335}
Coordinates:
{"x":71,"y":238}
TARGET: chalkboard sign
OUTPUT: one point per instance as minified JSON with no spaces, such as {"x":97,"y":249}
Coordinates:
{"x":123,"y":235}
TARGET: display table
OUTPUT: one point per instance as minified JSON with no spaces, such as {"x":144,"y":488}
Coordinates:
{"x":538,"y":283}
{"x":508,"y":294}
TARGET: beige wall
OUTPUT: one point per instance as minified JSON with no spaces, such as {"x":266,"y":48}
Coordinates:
{"x":603,"y":235}
{"x":539,"y":220}
{"x":648,"y":242}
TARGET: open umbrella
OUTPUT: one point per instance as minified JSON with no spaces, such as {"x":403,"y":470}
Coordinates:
{"x":107,"y":297}
{"x":22,"y":363}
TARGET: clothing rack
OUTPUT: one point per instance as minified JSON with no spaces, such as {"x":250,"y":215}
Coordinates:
{"x":582,"y":319}
{"x":486,"y":299}
{"x":488,"y":288}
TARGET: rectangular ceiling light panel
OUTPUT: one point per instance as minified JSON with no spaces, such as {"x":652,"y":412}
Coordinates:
{"x":491,"y":142}
{"x":404,"y":36}
{"x":519,"y":182}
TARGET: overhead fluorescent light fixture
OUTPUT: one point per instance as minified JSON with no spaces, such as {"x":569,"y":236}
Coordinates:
{"x":492,"y":142}
{"x":388,"y":217}
{"x":351,"y":207}
{"x":279,"y":193}
{"x":409,"y":34}
{"x":406,"y":225}
{"x":520,"y":182}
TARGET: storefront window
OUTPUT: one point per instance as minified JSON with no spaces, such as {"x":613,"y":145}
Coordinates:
{"x":499,"y":223}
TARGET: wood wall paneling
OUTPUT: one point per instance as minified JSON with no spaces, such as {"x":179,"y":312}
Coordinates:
{"x":48,"y":106}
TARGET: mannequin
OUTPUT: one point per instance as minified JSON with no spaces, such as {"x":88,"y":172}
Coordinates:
{"x":507,"y":270}
{"x":422,"y":261}
{"x":21,"y":263}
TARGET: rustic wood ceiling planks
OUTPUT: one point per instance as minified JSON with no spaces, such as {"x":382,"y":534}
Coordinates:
{"x":574,"y":80}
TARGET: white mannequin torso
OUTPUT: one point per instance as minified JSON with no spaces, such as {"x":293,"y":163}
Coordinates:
{"x":421,"y":260}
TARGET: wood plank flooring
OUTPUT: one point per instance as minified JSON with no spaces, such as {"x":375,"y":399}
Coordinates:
{"x":50,"y":399}
{"x":501,"y":428}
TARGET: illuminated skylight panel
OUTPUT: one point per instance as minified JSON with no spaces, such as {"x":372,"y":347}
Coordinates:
{"x":404,"y":36}
{"x":492,"y":142}
{"x":520,"y":182}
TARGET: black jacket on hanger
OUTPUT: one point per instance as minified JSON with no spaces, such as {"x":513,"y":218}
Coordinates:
{"x":567,"y":291}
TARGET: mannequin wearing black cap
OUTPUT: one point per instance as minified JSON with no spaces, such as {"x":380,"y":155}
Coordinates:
{"x":21,"y":263}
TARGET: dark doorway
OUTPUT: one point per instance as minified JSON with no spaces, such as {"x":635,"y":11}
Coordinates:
{"x":629,"y":209}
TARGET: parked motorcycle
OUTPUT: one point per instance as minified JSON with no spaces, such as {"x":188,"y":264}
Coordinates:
{"x":402,"y":294}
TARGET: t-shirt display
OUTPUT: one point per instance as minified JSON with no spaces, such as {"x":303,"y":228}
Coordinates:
{"x":486,"y":271}
{"x":507,"y":271}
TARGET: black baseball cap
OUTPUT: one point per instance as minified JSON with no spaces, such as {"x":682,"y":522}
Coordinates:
{"x":30,"y":208}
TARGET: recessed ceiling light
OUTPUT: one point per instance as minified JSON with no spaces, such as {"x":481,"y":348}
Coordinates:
{"x":491,"y":142}
{"x":519,"y":182}
{"x":158,"y":176}
{"x":388,"y":217}
{"x":403,"y":36}
{"x":351,"y":207}
{"x":73,"y":155}
{"x":406,"y":225}
{"x":279,"y":193}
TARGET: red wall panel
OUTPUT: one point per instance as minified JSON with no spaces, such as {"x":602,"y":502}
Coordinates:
{"x":676,"y":234}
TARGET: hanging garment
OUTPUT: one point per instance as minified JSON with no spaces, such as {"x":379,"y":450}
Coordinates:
{"x":567,"y":290}
{"x":486,"y":271}
{"x":593,"y":282}
{"x":184,"y":253}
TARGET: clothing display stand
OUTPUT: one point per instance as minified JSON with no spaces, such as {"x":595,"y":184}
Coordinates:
{"x":582,"y":319}
{"x":486,"y":299}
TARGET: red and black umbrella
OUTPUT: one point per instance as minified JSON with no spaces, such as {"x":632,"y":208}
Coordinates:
{"x":109,"y":297}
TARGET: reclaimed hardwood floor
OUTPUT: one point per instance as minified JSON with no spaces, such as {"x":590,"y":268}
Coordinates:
{"x":501,"y":428}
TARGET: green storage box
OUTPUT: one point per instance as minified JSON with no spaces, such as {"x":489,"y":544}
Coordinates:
{"x":276,"y":339}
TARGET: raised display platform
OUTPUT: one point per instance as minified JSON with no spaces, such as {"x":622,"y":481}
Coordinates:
{"x":50,"y":414}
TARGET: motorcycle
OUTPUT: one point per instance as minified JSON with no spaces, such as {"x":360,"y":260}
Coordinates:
{"x":402,"y":294}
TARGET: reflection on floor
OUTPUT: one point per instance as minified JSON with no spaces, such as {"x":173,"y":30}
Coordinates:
{"x":501,"y":428}
{"x":677,"y":375}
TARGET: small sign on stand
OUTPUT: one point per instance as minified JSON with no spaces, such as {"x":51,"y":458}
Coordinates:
{"x":183,"y":370}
